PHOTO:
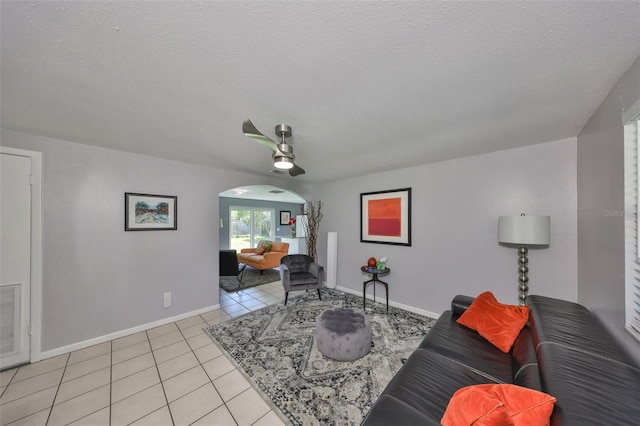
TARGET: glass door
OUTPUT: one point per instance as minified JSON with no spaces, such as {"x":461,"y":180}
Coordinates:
{"x":15,"y":262}
{"x":249,"y":225}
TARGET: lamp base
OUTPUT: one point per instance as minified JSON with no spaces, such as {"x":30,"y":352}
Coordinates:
{"x":523,"y":279}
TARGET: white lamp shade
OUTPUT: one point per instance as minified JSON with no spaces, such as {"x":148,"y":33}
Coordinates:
{"x":525,"y":230}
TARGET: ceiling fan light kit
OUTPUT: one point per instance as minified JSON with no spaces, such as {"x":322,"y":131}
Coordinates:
{"x":282,"y":163}
{"x":283,"y":158}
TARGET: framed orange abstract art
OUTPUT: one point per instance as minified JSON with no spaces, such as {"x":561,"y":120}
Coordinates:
{"x":385,"y":217}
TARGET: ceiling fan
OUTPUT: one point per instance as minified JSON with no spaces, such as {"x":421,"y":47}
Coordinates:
{"x":282,"y":152}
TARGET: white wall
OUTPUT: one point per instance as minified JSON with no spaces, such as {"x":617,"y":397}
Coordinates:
{"x":455,"y":211}
{"x":601,"y":269}
{"x":601,"y":188}
{"x":99,"y":279}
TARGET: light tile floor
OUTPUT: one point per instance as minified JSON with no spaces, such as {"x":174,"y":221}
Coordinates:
{"x":168,"y":375}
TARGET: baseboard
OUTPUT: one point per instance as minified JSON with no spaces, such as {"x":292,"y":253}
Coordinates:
{"x":123,"y":333}
{"x":325,"y":285}
{"x":391,"y":303}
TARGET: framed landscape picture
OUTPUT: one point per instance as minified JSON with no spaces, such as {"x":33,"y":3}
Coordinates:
{"x":385,"y":217}
{"x":147,"y":212}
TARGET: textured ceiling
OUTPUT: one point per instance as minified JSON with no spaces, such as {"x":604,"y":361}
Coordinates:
{"x":365,"y":85}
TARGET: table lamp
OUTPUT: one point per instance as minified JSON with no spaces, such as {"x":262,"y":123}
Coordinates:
{"x":524,"y":231}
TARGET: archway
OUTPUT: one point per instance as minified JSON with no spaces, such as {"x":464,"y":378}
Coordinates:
{"x":253,"y":212}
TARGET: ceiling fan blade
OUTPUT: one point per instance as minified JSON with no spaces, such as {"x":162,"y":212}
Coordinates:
{"x":250,"y":131}
{"x":296,"y":170}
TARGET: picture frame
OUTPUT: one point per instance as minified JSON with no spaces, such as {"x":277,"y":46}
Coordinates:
{"x":385,"y":217}
{"x":285,"y":217}
{"x":149,"y":212}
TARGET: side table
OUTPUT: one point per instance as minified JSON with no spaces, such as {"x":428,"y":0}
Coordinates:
{"x":375,"y":272}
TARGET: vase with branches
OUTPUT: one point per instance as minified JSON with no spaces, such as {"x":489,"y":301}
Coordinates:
{"x":313,"y":211}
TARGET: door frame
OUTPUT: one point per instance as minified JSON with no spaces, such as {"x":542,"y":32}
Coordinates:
{"x":35,"y":338}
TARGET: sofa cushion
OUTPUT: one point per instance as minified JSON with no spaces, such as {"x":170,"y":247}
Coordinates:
{"x":468,"y":348}
{"x":488,"y":405}
{"x":280,"y":246}
{"x":498,"y":323}
{"x":302,"y":278}
{"x":572,"y":325}
{"x":263,"y":247}
{"x":581,"y":364}
{"x":428,"y":380}
{"x":591,"y":390}
{"x":389,"y":410}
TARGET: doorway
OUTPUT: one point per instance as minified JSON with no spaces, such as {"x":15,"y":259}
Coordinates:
{"x":20,"y":276}
{"x":260,"y":198}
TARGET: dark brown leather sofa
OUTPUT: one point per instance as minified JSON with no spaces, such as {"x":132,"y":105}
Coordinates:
{"x":564,"y":351}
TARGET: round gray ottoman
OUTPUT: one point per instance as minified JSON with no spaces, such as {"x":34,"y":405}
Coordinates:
{"x":343,"y":334}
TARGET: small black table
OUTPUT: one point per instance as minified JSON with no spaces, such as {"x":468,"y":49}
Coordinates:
{"x":375,"y":272}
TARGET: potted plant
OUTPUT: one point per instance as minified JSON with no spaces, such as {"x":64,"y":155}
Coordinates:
{"x":292,"y":225}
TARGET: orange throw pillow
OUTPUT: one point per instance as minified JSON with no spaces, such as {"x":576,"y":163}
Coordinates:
{"x":498,"y":405}
{"x":498,"y":323}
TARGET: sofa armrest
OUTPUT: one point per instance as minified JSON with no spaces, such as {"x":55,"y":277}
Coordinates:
{"x":460,"y":303}
{"x":248,"y":250}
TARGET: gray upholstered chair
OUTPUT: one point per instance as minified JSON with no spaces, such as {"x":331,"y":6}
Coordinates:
{"x":300,"y":272}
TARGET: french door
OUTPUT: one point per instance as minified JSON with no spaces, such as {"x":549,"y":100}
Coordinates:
{"x":15,"y":259}
{"x":249,"y":225}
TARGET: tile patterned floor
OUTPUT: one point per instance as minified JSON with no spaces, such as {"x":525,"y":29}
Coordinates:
{"x":168,"y":375}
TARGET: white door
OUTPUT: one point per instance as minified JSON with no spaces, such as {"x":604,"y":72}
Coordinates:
{"x":15,"y":258}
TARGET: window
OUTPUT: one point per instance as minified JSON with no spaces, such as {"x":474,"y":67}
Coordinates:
{"x":249,"y":225}
{"x":632,"y":230}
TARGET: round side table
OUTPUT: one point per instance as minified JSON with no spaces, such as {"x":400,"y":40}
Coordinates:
{"x":374,"y":279}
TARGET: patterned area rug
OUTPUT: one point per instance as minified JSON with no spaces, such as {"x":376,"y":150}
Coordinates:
{"x":250,"y":278}
{"x":276,"y":348}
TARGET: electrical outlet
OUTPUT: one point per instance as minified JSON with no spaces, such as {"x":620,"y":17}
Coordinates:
{"x":167,"y":300}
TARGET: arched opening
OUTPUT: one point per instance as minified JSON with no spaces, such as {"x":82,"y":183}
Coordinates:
{"x":254,"y":212}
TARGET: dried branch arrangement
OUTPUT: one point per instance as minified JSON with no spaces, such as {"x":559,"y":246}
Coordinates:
{"x":313,"y":210}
